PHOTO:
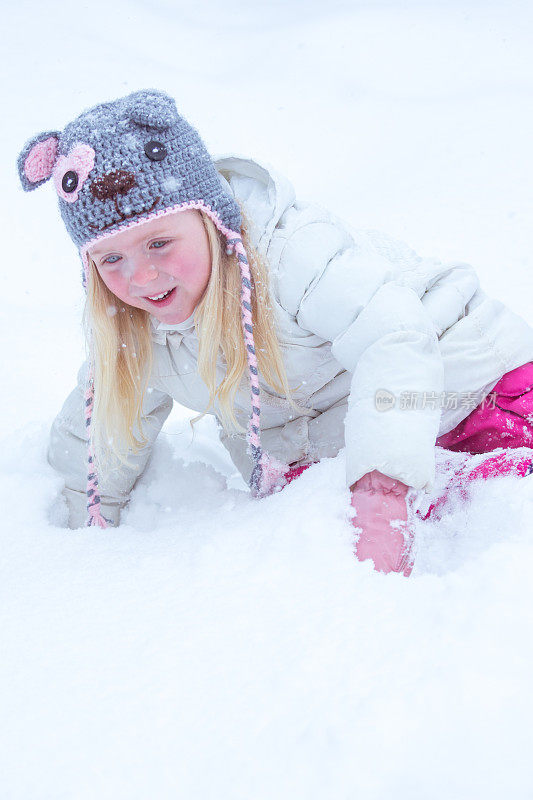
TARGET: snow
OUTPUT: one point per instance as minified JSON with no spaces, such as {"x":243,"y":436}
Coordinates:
{"x":213,"y":646}
{"x":172,"y":183}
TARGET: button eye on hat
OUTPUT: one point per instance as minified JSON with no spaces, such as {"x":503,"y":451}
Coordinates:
{"x":156,"y":151}
{"x":70,"y":181}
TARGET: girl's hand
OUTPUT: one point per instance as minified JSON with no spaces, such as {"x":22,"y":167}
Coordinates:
{"x":382,"y":518}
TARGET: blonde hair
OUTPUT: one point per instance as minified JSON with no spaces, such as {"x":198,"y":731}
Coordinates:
{"x":119,"y":337}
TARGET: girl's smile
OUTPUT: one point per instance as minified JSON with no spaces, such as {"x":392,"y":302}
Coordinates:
{"x":162,"y":266}
{"x":162,"y":299}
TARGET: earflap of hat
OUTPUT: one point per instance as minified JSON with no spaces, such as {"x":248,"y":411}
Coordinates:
{"x":152,"y":108}
{"x":37,"y":158}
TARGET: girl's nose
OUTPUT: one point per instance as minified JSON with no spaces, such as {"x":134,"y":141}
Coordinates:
{"x":143,"y":273}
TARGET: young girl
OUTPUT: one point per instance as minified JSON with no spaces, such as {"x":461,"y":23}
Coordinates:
{"x":209,"y":283}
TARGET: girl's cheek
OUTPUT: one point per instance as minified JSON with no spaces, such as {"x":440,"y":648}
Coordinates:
{"x":186,"y":271}
{"x":121,"y":289}
{"x":114,"y":282}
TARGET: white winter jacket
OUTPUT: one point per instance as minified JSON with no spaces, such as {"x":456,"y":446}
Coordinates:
{"x":359,"y":315}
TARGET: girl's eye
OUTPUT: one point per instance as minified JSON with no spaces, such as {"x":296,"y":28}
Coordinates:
{"x":158,"y":246}
{"x":108,"y":262}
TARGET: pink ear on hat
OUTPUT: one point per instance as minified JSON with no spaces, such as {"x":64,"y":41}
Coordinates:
{"x":40,"y":160}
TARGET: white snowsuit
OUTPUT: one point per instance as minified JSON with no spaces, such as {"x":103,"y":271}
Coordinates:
{"x":358,"y":313}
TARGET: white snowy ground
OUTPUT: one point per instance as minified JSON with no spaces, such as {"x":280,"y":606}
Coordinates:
{"x":214,"y":647}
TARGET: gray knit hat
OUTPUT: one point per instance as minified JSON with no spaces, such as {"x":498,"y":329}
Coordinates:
{"x":123,"y":163}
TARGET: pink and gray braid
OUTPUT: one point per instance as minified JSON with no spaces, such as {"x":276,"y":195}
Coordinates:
{"x":93,"y":497}
{"x":267,"y":472}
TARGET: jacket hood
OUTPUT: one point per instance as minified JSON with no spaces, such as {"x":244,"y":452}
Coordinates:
{"x":264,"y":192}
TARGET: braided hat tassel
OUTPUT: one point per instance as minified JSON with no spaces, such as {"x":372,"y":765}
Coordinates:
{"x":267,"y":471}
{"x":95,"y":517}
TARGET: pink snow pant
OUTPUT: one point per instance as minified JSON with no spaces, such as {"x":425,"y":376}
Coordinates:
{"x":503,"y":419}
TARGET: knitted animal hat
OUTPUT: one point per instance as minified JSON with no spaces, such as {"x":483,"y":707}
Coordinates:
{"x":117,"y":166}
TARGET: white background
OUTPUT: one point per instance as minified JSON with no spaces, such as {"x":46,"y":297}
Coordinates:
{"x":213,"y":647}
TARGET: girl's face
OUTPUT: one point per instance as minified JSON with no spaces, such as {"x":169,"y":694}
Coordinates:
{"x":167,"y":256}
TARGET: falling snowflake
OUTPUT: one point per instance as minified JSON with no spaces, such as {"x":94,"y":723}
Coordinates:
{"x":171,"y":184}
{"x":130,"y":141}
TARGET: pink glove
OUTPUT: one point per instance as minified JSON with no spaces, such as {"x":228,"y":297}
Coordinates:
{"x":382,"y":517}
